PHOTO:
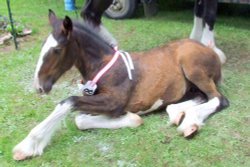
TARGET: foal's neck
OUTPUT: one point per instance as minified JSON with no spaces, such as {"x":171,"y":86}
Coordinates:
{"x":92,"y":52}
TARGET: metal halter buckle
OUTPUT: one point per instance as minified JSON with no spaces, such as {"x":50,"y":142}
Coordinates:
{"x":88,"y":88}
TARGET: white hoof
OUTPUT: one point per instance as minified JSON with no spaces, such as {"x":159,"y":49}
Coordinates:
{"x":172,"y":113}
{"x":190,"y":124}
{"x":175,"y":116}
{"x":191,"y":130}
{"x":134,"y":120}
{"x":26,"y":149}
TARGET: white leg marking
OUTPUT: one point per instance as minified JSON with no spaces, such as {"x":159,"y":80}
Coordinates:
{"x":207,"y":36}
{"x":49,"y":43}
{"x":39,"y":137}
{"x":196,"y":33}
{"x":154,"y":107}
{"x":197,"y":114}
{"x":221,"y":55}
{"x":208,"y":40}
{"x":174,"y":109}
{"x":85,"y":121}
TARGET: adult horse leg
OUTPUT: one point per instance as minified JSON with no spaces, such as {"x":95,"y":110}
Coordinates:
{"x":197,"y":30}
{"x":209,"y":16}
{"x":87,"y":121}
{"x":92,"y":13}
{"x":93,"y":10}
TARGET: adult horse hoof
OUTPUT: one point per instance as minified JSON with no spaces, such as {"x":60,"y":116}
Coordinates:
{"x":18,"y":156}
{"x":179,"y":118}
{"x":191,"y":131}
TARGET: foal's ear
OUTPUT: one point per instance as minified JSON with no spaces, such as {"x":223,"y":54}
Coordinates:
{"x":67,"y":25}
{"x":52,"y":17}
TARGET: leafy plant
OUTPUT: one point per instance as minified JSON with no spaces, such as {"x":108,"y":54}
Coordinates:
{"x":18,"y":28}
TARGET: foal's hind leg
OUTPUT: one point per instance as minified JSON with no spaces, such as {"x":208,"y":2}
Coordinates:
{"x":86,"y":121}
{"x":195,"y":116}
{"x":176,"y":112}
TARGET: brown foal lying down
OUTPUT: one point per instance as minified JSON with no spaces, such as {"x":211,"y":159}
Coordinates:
{"x":160,"y":78}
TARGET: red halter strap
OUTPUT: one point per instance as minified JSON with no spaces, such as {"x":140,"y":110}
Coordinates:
{"x":107,"y":67}
{"x":90,"y":86}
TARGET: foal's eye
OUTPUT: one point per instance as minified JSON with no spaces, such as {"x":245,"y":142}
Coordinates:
{"x":57,"y":50}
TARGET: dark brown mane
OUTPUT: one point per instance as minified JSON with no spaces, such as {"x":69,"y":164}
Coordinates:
{"x":91,"y":34}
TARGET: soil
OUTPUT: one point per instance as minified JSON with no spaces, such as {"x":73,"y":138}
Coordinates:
{"x":22,"y":42}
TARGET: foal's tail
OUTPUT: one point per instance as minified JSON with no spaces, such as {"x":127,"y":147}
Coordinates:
{"x":220,"y":54}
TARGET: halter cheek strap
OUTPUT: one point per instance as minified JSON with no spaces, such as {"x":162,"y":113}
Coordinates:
{"x":90,"y":87}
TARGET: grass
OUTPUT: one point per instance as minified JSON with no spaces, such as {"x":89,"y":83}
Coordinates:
{"x":223,"y":141}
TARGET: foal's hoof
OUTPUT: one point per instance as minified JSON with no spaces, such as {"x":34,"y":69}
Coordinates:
{"x":18,"y":156}
{"x":135,"y":120}
{"x":191,"y":131}
{"x":179,"y":118}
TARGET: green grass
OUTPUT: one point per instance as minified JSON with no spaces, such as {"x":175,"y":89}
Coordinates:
{"x":223,"y":141}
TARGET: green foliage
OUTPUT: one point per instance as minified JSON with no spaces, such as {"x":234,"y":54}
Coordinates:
{"x":223,"y":141}
{"x":18,"y":28}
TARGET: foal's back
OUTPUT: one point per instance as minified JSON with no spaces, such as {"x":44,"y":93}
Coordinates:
{"x":161,"y":76}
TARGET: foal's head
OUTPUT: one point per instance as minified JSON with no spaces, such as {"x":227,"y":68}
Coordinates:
{"x":56,"y":55}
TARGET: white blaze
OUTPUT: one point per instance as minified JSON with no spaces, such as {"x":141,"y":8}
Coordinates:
{"x":49,"y":43}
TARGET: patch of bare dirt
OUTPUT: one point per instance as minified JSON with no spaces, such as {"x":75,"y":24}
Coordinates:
{"x":23,"y":41}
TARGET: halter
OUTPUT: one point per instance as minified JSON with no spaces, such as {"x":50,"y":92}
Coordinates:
{"x":90,"y":87}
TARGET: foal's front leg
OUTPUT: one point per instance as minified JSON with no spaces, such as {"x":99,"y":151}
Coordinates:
{"x":39,"y":137}
{"x":109,"y":113}
{"x":87,"y":121}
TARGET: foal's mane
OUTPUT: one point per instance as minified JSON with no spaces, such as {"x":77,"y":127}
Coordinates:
{"x":93,"y":33}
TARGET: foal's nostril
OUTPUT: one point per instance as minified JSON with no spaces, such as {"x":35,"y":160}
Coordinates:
{"x":40,"y":90}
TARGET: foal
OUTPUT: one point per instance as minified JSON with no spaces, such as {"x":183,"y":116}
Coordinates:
{"x":161,"y":76}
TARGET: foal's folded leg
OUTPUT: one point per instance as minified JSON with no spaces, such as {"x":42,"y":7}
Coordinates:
{"x":176,"y":111}
{"x":39,"y":137}
{"x":86,"y":121}
{"x":195,"y":116}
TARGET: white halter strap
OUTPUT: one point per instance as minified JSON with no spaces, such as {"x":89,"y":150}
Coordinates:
{"x":128,"y":62}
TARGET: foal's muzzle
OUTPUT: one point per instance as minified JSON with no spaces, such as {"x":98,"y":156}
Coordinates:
{"x":44,"y":88}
